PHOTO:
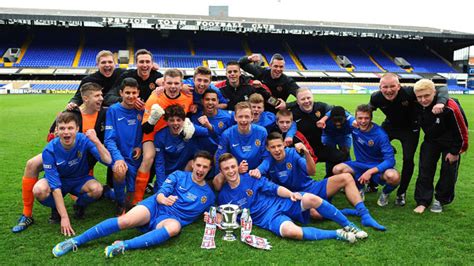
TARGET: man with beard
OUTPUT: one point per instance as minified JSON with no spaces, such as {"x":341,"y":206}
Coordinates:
{"x":144,"y":74}
{"x":280,"y":85}
{"x":237,"y":88}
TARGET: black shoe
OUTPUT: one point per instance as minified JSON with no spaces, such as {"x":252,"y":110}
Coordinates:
{"x":54,"y":218}
{"x":149,"y":188}
{"x":119,"y":210}
{"x":79,"y":211}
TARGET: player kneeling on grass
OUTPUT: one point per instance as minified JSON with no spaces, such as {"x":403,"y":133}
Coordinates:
{"x":123,"y":137}
{"x":275,"y":207}
{"x":183,"y":197}
{"x":67,"y":169}
{"x":374,"y":156}
{"x":286,"y":167}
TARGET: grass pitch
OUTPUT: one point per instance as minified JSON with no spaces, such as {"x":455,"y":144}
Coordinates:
{"x":445,"y":238}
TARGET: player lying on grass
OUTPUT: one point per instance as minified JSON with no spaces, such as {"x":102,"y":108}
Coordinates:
{"x":91,"y":115}
{"x":183,"y":197}
{"x":274,"y":207}
{"x":66,"y":169}
{"x":286,"y":167}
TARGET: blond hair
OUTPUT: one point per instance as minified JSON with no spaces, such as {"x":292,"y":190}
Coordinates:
{"x":424,"y":85}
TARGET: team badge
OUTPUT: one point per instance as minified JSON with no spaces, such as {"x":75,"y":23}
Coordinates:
{"x":318,"y":114}
{"x":289,"y":166}
{"x":203,"y":199}
{"x":220,"y":124}
{"x":152,"y":86}
{"x":257,"y":143}
{"x":79,"y":154}
{"x":139,"y":117}
{"x":249,"y":192}
{"x":102,"y":127}
{"x":370,"y":143}
{"x":279,"y":88}
{"x":405,"y":103}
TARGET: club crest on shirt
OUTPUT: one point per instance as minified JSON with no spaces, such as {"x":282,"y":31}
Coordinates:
{"x":405,"y":103}
{"x":318,"y":114}
{"x":249,"y":192}
{"x":152,"y":86}
{"x":370,"y":143}
{"x":79,"y":154}
{"x":139,"y":117}
{"x":220,"y":124}
{"x":279,"y":88}
{"x":257,"y":143}
{"x":203,"y":199}
{"x":289,"y":166}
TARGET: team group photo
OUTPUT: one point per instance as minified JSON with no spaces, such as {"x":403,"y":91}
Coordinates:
{"x":232,"y":142}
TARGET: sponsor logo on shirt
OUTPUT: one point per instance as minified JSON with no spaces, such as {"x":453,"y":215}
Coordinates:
{"x":132,"y":122}
{"x":47,"y":166}
{"x":191,"y":196}
{"x":234,"y":145}
{"x":109,"y":127}
{"x":249,"y":192}
{"x":60,"y":163}
{"x":168,"y":147}
{"x":121,"y":118}
{"x":246,"y":148}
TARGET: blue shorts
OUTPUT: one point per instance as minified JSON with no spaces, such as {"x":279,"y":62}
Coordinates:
{"x":318,"y":188}
{"x":285,"y":210}
{"x":74,"y":185}
{"x":157,"y":214}
{"x":131,"y":175}
{"x":341,"y":141}
{"x":360,"y":168}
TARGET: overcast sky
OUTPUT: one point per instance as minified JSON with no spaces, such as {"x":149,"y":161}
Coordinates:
{"x":446,"y":14}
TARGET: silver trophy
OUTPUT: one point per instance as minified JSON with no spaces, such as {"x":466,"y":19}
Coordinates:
{"x":229,"y":220}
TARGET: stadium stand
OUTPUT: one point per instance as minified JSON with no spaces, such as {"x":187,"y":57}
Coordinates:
{"x":267,"y":45}
{"x":351,"y":50}
{"x":51,"y":47}
{"x":421,"y":59}
{"x":313,"y":55}
{"x":96,"y":40}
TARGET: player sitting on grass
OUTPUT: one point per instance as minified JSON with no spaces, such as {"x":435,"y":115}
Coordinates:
{"x":275,"y":207}
{"x":374,"y":156}
{"x":160,"y":216}
{"x":91,"y":115}
{"x":66,"y":169}
{"x":286,"y":167}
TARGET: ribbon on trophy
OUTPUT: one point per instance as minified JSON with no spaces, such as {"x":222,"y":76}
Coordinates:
{"x":246,"y":230}
{"x":210,"y":230}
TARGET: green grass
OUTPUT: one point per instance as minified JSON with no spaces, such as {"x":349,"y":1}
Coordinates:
{"x":445,"y":238}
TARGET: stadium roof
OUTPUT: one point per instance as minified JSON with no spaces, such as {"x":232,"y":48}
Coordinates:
{"x":208,"y":23}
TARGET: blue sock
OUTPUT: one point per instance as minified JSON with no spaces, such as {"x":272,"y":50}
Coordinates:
{"x":48,"y":202}
{"x":84,"y":200}
{"x":119,"y":190}
{"x":388,"y":188}
{"x":351,"y":212}
{"x":102,"y":229}
{"x":327,"y":210}
{"x":311,"y":233}
{"x":366,"y":218}
{"x":361,"y":209}
{"x":149,"y":239}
